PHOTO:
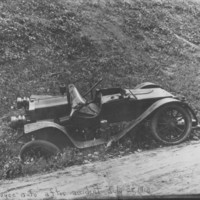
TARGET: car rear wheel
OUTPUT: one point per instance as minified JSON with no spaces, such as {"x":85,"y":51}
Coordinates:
{"x":171,"y":124}
{"x":37,"y":149}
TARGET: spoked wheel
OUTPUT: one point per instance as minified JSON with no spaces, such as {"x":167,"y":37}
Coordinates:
{"x":171,"y":124}
{"x":34,"y":150}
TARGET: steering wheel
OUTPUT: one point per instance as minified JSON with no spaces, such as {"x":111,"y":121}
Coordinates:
{"x":95,"y":85}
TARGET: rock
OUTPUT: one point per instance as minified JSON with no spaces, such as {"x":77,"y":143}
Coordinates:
{"x":139,"y":150}
{"x":127,"y":149}
{"x":89,"y":155}
{"x":197,"y":133}
{"x":86,"y":161}
{"x":95,"y":157}
{"x":195,"y":137}
{"x":96,"y":153}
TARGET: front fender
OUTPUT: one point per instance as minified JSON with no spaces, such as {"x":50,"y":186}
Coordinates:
{"x":31,"y":128}
{"x":28,"y":128}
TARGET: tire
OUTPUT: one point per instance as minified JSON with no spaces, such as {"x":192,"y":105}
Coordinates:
{"x":171,"y":124}
{"x":36,"y":149}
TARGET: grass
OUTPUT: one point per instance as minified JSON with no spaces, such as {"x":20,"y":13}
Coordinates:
{"x":45,"y":43}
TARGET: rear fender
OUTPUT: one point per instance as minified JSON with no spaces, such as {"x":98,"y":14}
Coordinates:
{"x":193,"y":115}
{"x":147,"y":114}
{"x":161,"y":103}
{"x":147,"y":85}
{"x":57,"y":131}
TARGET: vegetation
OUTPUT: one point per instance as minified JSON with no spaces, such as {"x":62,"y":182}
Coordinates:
{"x":45,"y":43}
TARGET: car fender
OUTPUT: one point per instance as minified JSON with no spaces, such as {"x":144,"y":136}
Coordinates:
{"x":30,"y":129}
{"x":149,"y":112}
{"x":193,"y":115}
{"x":147,"y":85}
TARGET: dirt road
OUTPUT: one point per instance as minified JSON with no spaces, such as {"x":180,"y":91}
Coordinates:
{"x":163,"y":171}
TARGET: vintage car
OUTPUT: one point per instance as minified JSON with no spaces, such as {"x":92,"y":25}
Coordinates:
{"x":51,"y":123}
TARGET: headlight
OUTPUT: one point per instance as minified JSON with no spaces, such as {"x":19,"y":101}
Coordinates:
{"x":22,"y":102}
{"x":17,"y":121}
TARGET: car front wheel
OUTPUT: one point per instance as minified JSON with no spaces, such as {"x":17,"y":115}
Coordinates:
{"x":37,"y":149}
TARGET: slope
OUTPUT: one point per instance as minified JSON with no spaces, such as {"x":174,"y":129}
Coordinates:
{"x":126,"y":42}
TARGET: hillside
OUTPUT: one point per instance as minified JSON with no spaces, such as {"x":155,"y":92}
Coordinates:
{"x":44,"y":43}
